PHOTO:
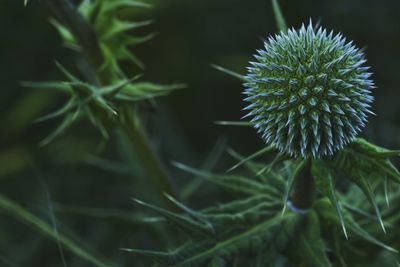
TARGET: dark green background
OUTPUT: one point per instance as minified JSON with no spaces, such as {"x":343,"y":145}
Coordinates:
{"x":190,"y":36}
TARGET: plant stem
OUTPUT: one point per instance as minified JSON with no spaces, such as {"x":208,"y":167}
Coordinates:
{"x":149,"y":160}
{"x":150,"y":163}
{"x":304,"y":190}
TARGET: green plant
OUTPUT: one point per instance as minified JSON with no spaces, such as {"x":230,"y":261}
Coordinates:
{"x":309,"y":95}
{"x":315,"y":195}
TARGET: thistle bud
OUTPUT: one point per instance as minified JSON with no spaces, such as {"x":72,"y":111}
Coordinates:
{"x":309,"y":92}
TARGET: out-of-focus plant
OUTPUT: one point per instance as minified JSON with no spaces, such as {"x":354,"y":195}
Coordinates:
{"x":98,"y":89}
{"x":309,"y":95}
{"x":101,"y":91}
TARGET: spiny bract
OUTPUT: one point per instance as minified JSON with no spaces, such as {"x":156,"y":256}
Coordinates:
{"x":309,"y":92}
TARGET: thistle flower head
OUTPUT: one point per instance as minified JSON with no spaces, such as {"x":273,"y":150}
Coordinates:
{"x":309,"y":92}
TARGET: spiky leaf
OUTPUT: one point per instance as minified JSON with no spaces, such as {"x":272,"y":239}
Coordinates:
{"x":233,"y":182}
{"x":311,"y":247}
{"x":325,"y":184}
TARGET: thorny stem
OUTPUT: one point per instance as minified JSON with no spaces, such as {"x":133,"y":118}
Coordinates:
{"x":150,"y":163}
{"x":304,"y":190}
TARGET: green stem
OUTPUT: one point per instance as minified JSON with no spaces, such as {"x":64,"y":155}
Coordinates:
{"x":304,"y":190}
{"x":86,"y":37}
{"x":148,"y":159}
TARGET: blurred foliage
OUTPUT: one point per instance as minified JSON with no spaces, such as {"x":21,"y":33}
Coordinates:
{"x":78,"y":188}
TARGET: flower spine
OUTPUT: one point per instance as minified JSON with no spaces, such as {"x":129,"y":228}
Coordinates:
{"x":309,"y":92}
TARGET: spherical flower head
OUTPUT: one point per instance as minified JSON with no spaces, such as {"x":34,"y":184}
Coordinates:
{"x":309,"y":92}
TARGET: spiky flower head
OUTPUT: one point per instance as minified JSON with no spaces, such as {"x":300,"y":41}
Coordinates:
{"x":309,"y":92}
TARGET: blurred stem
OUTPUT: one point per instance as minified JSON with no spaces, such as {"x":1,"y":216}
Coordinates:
{"x":149,"y":161}
{"x":304,"y":190}
{"x":67,"y":12}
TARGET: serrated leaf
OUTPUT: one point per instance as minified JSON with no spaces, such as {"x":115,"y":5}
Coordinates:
{"x":366,"y":147}
{"x":365,"y":186}
{"x":359,"y":211}
{"x":268,"y":167}
{"x":232,"y":182}
{"x":271,"y":253}
{"x":259,"y":212}
{"x":325,"y":184}
{"x":252,"y":156}
{"x":251,"y":166}
{"x":326,"y":211}
{"x":273,"y":178}
{"x":194,"y":214}
{"x":188,"y":225}
{"x":235,"y":243}
{"x":356,"y":158}
{"x":311,"y":247}
{"x":237,"y":205}
{"x":356,"y":229}
{"x":387,"y":167}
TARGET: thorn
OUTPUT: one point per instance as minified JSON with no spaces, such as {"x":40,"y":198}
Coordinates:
{"x":138,"y":201}
{"x":127,"y":249}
